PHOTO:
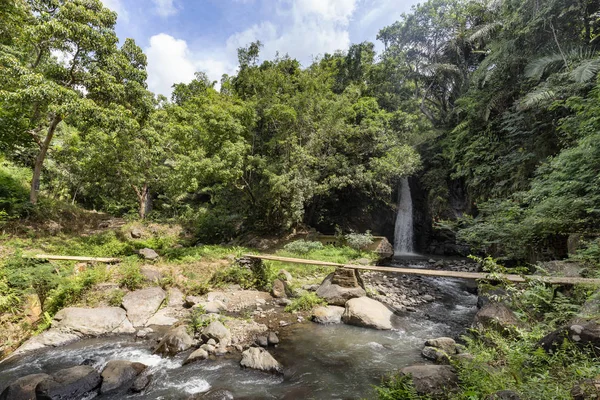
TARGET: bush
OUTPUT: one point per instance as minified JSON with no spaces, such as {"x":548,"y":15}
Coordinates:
{"x":131,"y":276}
{"x":22,"y":275}
{"x":397,"y":387}
{"x":306,"y":302}
{"x":115,"y":298}
{"x":303,"y":246}
{"x":198,"y":319}
{"x":359,"y":241}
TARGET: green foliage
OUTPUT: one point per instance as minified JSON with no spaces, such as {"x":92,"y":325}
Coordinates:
{"x":198,"y":319}
{"x":306,"y":302}
{"x":397,"y":387}
{"x":303,"y":246}
{"x":234,"y":275}
{"x":359,"y":241}
{"x":131,"y":276}
{"x":115,"y":298}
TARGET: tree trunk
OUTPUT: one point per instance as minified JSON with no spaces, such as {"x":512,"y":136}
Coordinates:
{"x":39,"y":161}
{"x":143,"y":196}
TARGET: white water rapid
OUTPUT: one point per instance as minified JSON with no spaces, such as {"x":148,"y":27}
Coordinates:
{"x":403,"y":234}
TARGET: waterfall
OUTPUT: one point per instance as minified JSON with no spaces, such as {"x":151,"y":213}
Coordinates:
{"x":403,"y":234}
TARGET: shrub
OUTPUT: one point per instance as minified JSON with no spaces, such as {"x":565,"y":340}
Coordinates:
{"x":131,"y":276}
{"x":115,"y":298}
{"x":359,"y":241}
{"x":397,"y":387}
{"x":306,"y":302}
{"x":303,"y":246}
{"x":233,"y":275}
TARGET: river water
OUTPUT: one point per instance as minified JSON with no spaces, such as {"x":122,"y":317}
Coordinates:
{"x":321,"y":362}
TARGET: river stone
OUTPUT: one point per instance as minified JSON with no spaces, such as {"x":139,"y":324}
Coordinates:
{"x":262,"y":341}
{"x":432,"y":379}
{"x":435,"y":354}
{"x":280,"y":289}
{"x":50,"y":338}
{"x":136,"y":233}
{"x":141,"y":383}
{"x":260,"y":359}
{"x":495,"y":316}
{"x":446,"y":344}
{"x":583,"y":335}
{"x":273,"y":339}
{"x":176,"y":298}
{"x":369,"y":313}
{"x":23,"y":388}
{"x":285,"y":276}
{"x":216,"y":330}
{"x":143,"y":304}
{"x":337,"y":294}
{"x":151,"y":274}
{"x":163,"y":317}
{"x":118,"y":373}
{"x":175,"y":341}
{"x":93,"y":322}
{"x":214,"y":307}
{"x":148,"y":254}
{"x":69,"y":384}
{"x":328,"y":315}
{"x":199,"y":354}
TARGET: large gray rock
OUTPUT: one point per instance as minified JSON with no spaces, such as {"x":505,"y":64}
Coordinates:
{"x":341,"y":286}
{"x":495,"y":316}
{"x":93,"y":322}
{"x":197,"y":355}
{"x":260,"y":359}
{"x":69,"y":384}
{"x":176,"y":298}
{"x":368,"y":313}
{"x":280,"y":289}
{"x":119,"y":373}
{"x":151,"y":274}
{"x":446,"y":344}
{"x":51,"y":338}
{"x":148,"y":254}
{"x":175,"y":341}
{"x":328,"y":315}
{"x":217,"y":331}
{"x":163,"y":317}
{"x":432,"y":379}
{"x":23,"y":388}
{"x":435,"y":354}
{"x":142,"y":304}
{"x":585,"y":335}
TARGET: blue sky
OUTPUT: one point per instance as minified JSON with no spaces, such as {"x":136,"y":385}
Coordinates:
{"x":183,"y":36}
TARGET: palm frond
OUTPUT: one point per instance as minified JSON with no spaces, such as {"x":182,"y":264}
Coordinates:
{"x":538,"y":68}
{"x":586,"y":70}
{"x":537,"y":98}
{"x":486,"y":31}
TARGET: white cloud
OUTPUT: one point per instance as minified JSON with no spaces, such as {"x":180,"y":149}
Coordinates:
{"x":119,"y":7}
{"x":165,"y":8}
{"x":169,"y":62}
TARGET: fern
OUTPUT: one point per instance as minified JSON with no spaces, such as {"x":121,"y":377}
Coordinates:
{"x":540,"y":67}
{"x":485,"y":31}
{"x":586,"y":71}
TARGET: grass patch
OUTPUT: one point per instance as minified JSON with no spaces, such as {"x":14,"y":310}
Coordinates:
{"x":306,"y":302}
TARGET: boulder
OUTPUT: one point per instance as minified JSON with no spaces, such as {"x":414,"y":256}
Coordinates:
{"x":176,"y":298}
{"x":260,"y":359}
{"x":136,"y":233}
{"x":586,"y":389}
{"x":435,"y":354}
{"x":50,"y":338}
{"x":446,"y":344}
{"x":148,"y":254}
{"x":175,"y":341}
{"x":93,"y":322}
{"x":262,"y":341}
{"x":197,"y":355}
{"x":163,"y":317}
{"x":368,"y":313}
{"x":151,"y":274}
{"x":280,"y":289}
{"x":328,"y":315}
{"x":273,"y":339}
{"x":495,"y":316}
{"x":214,"y":307}
{"x":285,"y":276}
{"x":217,"y":331}
{"x":584,"y":335}
{"x":23,"y":388}
{"x":432,"y":379}
{"x":142,"y":304}
{"x":141,"y":383}
{"x":69,"y":384}
{"x":119,"y":373}
{"x":504,"y":395}
{"x":338,"y":287}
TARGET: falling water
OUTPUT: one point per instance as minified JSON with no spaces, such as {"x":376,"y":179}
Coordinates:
{"x":403,"y":234}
